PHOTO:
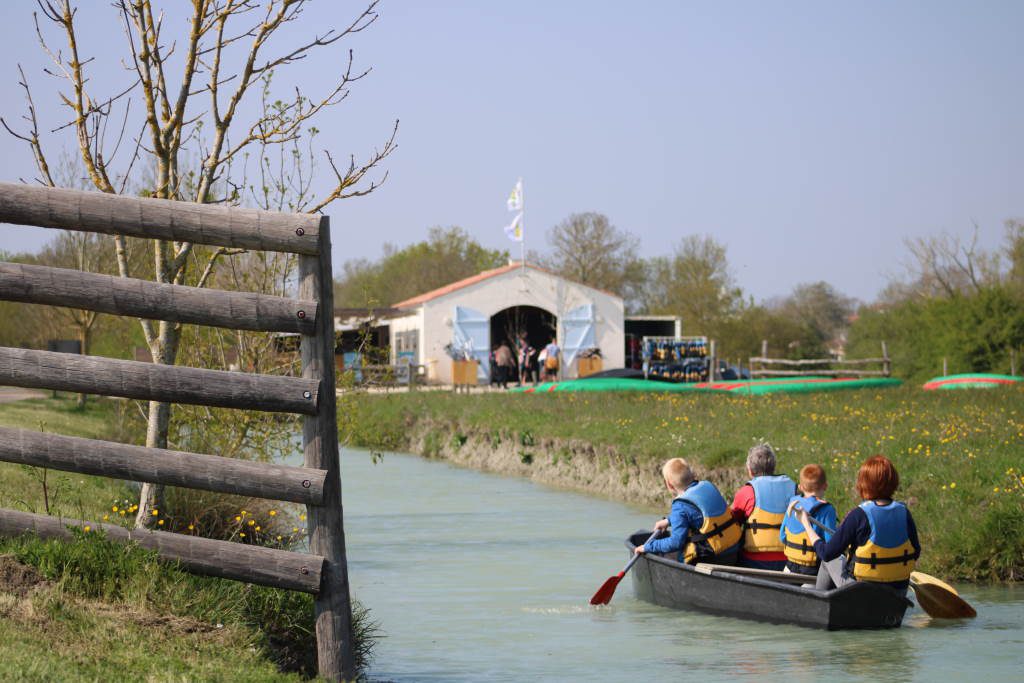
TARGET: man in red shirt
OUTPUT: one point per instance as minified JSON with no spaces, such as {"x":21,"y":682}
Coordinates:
{"x":760,"y":505}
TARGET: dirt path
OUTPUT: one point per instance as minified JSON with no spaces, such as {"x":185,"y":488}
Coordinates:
{"x":9,"y":394}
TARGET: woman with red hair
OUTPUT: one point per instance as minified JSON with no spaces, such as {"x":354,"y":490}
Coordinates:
{"x":878,"y":536}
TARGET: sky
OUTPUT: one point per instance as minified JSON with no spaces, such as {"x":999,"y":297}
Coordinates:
{"x":811,"y":139}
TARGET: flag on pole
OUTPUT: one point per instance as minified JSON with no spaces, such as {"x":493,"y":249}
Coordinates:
{"x":515,"y":197}
{"x":514,"y":230}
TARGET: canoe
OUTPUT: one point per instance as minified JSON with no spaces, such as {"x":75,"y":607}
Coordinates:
{"x":761,"y":596}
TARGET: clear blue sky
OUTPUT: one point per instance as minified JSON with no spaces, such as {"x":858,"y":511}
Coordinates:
{"x":810,"y":138}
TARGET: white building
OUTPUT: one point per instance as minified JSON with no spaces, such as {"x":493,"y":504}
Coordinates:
{"x":481,"y":311}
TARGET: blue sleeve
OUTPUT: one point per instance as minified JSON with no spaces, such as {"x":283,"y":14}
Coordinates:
{"x":679,"y":523}
{"x":845,"y":536}
{"x":827,"y":516}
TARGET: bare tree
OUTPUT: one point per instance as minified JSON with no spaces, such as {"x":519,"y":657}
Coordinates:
{"x":946,"y":265}
{"x":193,"y":132}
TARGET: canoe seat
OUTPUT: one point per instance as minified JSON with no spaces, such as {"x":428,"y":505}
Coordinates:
{"x":783,"y":577}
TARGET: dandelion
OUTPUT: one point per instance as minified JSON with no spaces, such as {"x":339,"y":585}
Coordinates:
{"x":161,"y":522}
{"x":113,"y":508}
{"x":995,"y":489}
{"x":251,"y":522}
{"x":295,"y":529}
{"x":272,"y":513}
{"x":952,"y":485}
{"x":302,"y":517}
{"x":106,"y":517}
{"x":258,"y":529}
{"x":237,"y":518}
{"x":87,"y":528}
{"x":191,"y":527}
{"x":121,"y":512}
{"x":279,"y":537}
{"x":242,"y":534}
{"x":155,"y":513}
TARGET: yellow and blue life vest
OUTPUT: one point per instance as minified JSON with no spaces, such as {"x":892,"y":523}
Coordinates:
{"x":719,"y":529}
{"x":771,"y":496}
{"x":888,"y":554}
{"x":798,"y":547}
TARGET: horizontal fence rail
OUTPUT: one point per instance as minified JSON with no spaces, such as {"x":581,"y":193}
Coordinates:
{"x":812,"y":371}
{"x":154,"y":300}
{"x":226,"y":559}
{"x":164,"y":219}
{"x":153,"y":382}
{"x":819,"y":361}
{"x":159,"y":466}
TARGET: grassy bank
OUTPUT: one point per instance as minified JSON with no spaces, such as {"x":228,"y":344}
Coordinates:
{"x":958,"y":453}
{"x":90,"y":610}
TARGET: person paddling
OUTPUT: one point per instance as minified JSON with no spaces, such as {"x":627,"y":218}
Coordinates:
{"x":800,"y":555}
{"x":702,"y":527}
{"x":879,"y":535}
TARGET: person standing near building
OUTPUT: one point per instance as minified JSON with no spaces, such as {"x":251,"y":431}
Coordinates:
{"x":526,"y":354}
{"x":551,"y":360}
{"x":505,"y":362}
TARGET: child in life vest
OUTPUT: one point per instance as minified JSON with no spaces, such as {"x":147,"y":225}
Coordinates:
{"x":879,"y":535}
{"x":760,"y":505}
{"x":800,"y":555}
{"x":702,"y":528}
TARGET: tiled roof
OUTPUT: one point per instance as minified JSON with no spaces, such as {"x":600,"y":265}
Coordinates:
{"x":472,"y":280}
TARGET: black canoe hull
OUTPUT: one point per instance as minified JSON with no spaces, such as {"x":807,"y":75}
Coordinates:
{"x":665,"y":582}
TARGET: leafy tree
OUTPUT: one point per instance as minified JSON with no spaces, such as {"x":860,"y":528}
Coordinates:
{"x":695,"y":282}
{"x":588,"y":249}
{"x":447,"y":255}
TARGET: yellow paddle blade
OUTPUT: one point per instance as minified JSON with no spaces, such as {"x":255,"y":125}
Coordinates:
{"x":921,"y":577}
{"x":941,"y":603}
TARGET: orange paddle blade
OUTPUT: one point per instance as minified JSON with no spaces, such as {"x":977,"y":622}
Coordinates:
{"x":604,"y":594}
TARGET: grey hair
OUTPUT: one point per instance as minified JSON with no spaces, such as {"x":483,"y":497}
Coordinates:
{"x":761,"y":460}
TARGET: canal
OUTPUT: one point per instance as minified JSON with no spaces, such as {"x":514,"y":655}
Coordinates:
{"x":478,"y":577}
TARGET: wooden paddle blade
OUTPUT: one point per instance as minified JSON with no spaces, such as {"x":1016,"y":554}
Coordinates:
{"x":921,"y":577}
{"x":940,"y":603}
{"x":604,"y":594}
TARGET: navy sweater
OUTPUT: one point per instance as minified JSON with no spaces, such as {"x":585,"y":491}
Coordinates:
{"x":854,"y":532}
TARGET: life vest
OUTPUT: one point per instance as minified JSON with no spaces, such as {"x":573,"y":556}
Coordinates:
{"x":888,"y":554}
{"x":719,"y":530}
{"x":771,"y":496}
{"x":798,"y":547}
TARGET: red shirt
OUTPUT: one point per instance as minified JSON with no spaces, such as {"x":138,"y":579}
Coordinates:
{"x":742,"y":506}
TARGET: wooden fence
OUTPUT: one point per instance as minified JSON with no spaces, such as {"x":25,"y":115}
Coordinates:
{"x":322,"y":571}
{"x":760,"y":366}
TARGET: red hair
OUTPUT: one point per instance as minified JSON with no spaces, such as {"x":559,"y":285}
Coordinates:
{"x":877,"y":478}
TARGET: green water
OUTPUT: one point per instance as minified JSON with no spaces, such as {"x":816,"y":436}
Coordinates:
{"x":477,"y":577}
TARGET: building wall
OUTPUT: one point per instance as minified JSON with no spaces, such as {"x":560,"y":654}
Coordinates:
{"x":520,"y":287}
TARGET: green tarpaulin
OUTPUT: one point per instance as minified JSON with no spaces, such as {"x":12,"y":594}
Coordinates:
{"x":749,"y":387}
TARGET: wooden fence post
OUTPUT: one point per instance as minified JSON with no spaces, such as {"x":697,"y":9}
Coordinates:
{"x":333,"y":606}
{"x":945,"y":367}
{"x":886,"y":364}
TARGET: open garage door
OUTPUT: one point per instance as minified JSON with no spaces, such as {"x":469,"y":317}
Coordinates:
{"x":472,"y":331}
{"x":578,"y":326}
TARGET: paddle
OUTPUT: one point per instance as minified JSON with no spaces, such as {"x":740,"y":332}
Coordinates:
{"x":604,"y":594}
{"x":936,"y":597}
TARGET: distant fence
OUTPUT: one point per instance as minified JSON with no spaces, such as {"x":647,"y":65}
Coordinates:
{"x":763,"y":366}
{"x":323,"y":571}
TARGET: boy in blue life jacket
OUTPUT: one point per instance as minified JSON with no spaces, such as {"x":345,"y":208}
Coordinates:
{"x":800,"y":555}
{"x":701,"y":523}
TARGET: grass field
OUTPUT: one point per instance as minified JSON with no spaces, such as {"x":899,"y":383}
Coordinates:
{"x":90,"y":610}
{"x":960,"y":454}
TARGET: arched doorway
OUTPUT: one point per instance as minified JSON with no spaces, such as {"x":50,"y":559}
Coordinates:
{"x":539,"y":325}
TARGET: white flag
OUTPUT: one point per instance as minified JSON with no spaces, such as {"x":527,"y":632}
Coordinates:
{"x":515,"y":197}
{"x":514,"y":230}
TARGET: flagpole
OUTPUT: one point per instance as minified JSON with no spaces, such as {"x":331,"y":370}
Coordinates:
{"x":522,"y":226}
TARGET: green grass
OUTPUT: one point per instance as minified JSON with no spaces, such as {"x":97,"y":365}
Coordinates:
{"x":108,"y":611}
{"x":959,"y":453}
